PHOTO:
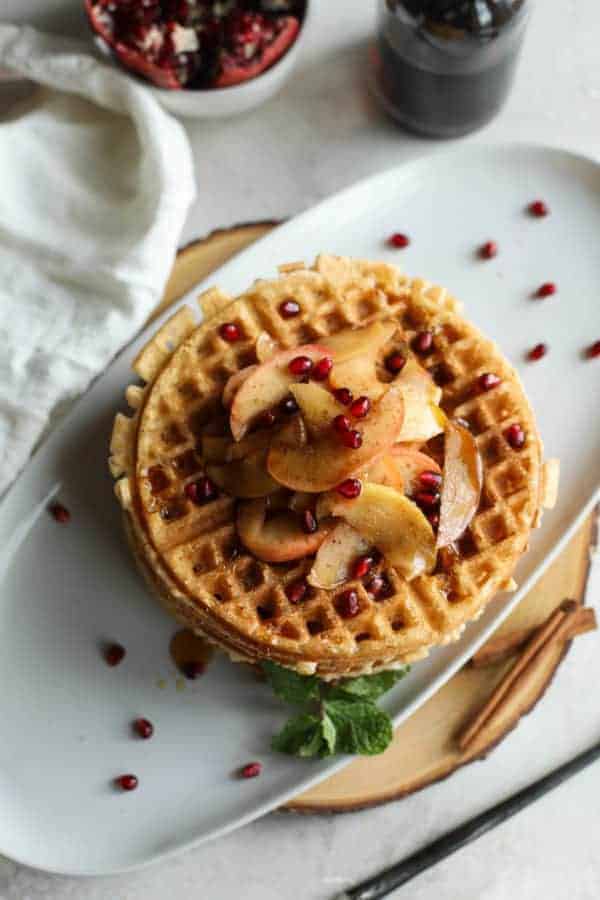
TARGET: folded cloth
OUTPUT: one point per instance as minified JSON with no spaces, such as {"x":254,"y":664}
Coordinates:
{"x":97,"y":180}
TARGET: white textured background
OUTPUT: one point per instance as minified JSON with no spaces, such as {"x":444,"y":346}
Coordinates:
{"x":319,"y":135}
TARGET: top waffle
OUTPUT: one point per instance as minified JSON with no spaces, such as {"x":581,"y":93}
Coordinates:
{"x":190,"y":551}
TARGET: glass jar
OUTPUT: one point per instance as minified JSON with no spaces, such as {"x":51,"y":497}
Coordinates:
{"x":445,"y":67}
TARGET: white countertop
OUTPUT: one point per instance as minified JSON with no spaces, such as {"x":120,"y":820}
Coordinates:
{"x":322,"y":133}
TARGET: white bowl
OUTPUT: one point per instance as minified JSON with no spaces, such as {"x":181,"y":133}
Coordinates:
{"x":217,"y":103}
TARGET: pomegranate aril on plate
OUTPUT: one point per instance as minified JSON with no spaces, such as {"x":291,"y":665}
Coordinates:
{"x":289,"y":406}
{"x":350,"y":488}
{"x":309,"y":522}
{"x":230,"y":332}
{"x":537,"y":352}
{"x":593,"y":350}
{"x":251,"y":770}
{"x":296,"y":591}
{"x":515,"y":436}
{"x":202,"y":491}
{"x":144,"y":728}
{"x":288,"y":309}
{"x":378,"y":587}
{"x":547,"y":289}
{"x":300,"y":365}
{"x":360,"y":407}
{"x":127,"y":782}
{"x":395,"y":362}
{"x":351,"y":439}
{"x":538,"y":208}
{"x":398,"y":240}
{"x":431,"y":480}
{"x":59,"y":513}
{"x":341,"y":423}
{"x":488,"y":381}
{"x":114,"y":654}
{"x":193,"y":669}
{"x":322,"y":369}
{"x":423,"y":342}
{"x":427,"y":499}
{"x":488,"y":250}
{"x":347,"y":604}
{"x":267,"y":419}
{"x":343,"y":395}
{"x":362,"y":566}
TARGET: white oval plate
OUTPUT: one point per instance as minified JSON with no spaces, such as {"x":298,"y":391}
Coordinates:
{"x":63,"y":589}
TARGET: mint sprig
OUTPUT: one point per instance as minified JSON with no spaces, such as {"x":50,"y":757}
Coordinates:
{"x":336,"y":717}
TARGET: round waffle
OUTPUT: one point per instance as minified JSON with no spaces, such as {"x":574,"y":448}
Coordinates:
{"x":191,"y":555}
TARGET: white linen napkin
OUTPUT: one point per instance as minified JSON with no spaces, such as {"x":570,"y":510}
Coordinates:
{"x":96,"y":182}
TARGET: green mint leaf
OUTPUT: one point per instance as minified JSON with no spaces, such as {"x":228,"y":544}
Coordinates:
{"x":360,"y":725}
{"x":303,"y":735}
{"x":289,"y":686}
{"x":329,"y":734}
{"x":367,"y":687}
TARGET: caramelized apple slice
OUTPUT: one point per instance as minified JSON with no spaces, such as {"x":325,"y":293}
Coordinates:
{"x":234,"y":383}
{"x":246,"y":478}
{"x":325,"y":462}
{"x":300,"y":501}
{"x":266,"y":347}
{"x":405,"y":465}
{"x":214,"y":448}
{"x":359,"y":375}
{"x":337,"y":554}
{"x":257,"y":440}
{"x":423,"y":418}
{"x":463,"y":480}
{"x":359,"y":341}
{"x":317,"y":406}
{"x":279,"y":539}
{"x":267,"y":386}
{"x":389,"y":521}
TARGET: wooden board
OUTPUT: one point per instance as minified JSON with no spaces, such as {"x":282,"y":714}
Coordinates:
{"x":424,"y":748}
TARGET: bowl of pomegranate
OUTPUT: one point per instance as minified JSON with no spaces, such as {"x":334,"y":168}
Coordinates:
{"x":203,"y":58}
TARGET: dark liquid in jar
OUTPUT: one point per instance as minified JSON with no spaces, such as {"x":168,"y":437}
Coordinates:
{"x":445,"y":67}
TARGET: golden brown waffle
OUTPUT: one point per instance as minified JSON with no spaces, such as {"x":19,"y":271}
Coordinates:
{"x":190,"y":554}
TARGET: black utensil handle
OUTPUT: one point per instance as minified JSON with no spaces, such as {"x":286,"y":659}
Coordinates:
{"x":381,"y":885}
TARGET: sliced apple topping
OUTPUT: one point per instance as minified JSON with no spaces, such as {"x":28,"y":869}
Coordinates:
{"x":360,"y":341}
{"x":324,"y":462}
{"x":278,"y":539}
{"x":234,"y":383}
{"x":214,"y":448}
{"x":389,"y":521}
{"x":265,"y":347}
{"x":336,"y":557}
{"x":246,"y":478}
{"x":463,"y":481}
{"x":251,"y":443}
{"x":317,"y":406}
{"x":359,"y":375}
{"x":406,"y":466}
{"x":423,"y":418}
{"x":267,"y":386}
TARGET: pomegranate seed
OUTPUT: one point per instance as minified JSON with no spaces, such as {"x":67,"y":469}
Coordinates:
{"x":395,"y":362}
{"x":546,"y":289}
{"x":423,"y":342}
{"x":309,"y":523}
{"x":296,"y":591}
{"x":360,"y":408}
{"x":593,"y":350}
{"x":127,"y":782}
{"x":537,"y":352}
{"x":487,"y":381}
{"x":300,"y":365}
{"x":59,"y":513}
{"x":350,"y":488}
{"x":202,"y":491}
{"x":343,"y":396}
{"x":251,"y":770}
{"x":114,"y":654}
{"x":488,"y":250}
{"x":398,"y":240}
{"x":144,"y":728}
{"x":430,"y":479}
{"x":351,"y":439}
{"x":538,"y":209}
{"x":379,"y":587}
{"x":427,"y":498}
{"x":267,"y":419}
{"x":347,"y":604}
{"x":341,"y":424}
{"x":288,"y":309}
{"x":322,"y":369}
{"x":515,"y":436}
{"x":193,"y":669}
{"x":362,"y":566}
{"x":230,"y":332}
{"x":289,"y":406}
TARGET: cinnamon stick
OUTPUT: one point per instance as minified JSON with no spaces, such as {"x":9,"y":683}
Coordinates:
{"x":499,"y":648}
{"x":554,"y":629}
